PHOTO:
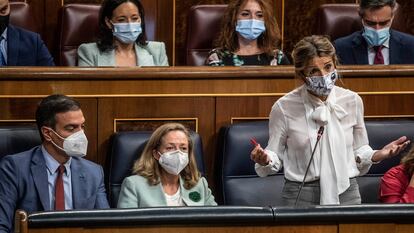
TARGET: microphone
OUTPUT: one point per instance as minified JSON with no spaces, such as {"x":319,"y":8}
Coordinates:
{"x":318,"y":138}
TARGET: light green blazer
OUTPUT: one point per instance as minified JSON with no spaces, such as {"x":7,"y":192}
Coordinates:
{"x":136,"y":193}
{"x":153,"y":54}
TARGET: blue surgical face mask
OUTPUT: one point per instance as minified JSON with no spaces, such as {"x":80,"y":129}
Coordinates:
{"x":376,"y":37}
{"x":127,"y":33}
{"x":322,"y":85}
{"x":250,"y":29}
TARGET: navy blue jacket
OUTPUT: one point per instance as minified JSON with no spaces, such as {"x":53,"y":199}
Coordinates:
{"x":24,"y":185}
{"x":26,"y":48}
{"x":353,"y":49}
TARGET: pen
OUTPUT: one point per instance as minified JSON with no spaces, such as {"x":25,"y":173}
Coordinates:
{"x":253,"y":141}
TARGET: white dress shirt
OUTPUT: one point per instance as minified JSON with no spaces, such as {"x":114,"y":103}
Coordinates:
{"x":3,"y":46}
{"x":52,"y":166}
{"x":292,"y":136}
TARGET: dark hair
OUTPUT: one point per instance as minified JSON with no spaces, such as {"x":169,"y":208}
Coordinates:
{"x":106,"y":38}
{"x":52,"y":105}
{"x":374,"y":5}
{"x":269,"y":40}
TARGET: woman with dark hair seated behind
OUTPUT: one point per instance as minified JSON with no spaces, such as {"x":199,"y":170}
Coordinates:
{"x":122,"y":39}
{"x":249,"y":36}
{"x":397,"y":184}
{"x":166,"y":174}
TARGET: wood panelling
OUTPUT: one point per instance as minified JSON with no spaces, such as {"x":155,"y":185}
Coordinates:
{"x":38,"y":9}
{"x":213,"y":96}
{"x":200,"y":229}
{"x":383,"y":104}
{"x":404,"y":228}
{"x":328,"y":228}
{"x":369,"y":228}
{"x":51,"y":25}
{"x":152,"y":123}
{"x":81,"y":1}
{"x":228,"y":108}
{"x":165,"y":26}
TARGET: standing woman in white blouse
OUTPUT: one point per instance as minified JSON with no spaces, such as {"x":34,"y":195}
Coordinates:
{"x":341,"y":154}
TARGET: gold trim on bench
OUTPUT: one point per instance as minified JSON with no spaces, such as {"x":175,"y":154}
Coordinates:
{"x":155,"y":119}
{"x":388,"y":116}
{"x":233,"y":119}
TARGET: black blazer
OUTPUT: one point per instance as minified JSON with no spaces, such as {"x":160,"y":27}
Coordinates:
{"x":353,"y":49}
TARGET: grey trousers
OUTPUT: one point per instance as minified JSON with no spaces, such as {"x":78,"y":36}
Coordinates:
{"x":310,"y":194}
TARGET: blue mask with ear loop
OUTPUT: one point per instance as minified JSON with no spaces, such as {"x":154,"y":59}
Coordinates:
{"x":376,"y":37}
{"x":127,"y":33}
{"x":250,"y":29}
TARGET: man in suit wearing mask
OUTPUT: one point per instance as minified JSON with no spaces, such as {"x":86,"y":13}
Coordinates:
{"x":19,"y":47}
{"x":376,"y":43}
{"x":53,"y":175}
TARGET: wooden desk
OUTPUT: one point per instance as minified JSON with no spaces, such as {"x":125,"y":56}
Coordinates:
{"x":204,"y":98}
{"x":224,"y":219}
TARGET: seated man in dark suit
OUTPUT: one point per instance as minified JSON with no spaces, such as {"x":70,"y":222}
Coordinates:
{"x":376,"y":43}
{"x":19,"y":47}
{"x":53,"y":175}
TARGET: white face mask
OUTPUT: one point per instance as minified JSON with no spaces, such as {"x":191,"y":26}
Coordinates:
{"x":74,"y":145}
{"x":173,"y":162}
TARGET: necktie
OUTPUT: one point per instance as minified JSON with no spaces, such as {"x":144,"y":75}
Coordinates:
{"x":379,"y":59}
{"x":59,"y":191}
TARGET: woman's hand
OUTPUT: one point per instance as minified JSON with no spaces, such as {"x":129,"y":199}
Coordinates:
{"x":258,"y":155}
{"x":391,"y":150}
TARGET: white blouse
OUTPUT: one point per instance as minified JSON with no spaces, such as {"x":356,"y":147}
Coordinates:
{"x":175,"y":199}
{"x":293,"y":132}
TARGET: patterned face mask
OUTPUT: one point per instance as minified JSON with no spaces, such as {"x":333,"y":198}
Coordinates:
{"x":322,"y":85}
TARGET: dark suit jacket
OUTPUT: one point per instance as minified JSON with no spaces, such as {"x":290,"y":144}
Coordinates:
{"x":353,"y":49}
{"x":24,"y":185}
{"x":26,"y":48}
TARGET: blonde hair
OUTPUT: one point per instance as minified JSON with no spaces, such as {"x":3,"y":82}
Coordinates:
{"x":148,"y":167}
{"x":269,"y":40}
{"x":408,"y":162}
{"x":309,"y":48}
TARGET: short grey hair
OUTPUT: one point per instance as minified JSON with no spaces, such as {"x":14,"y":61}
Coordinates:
{"x":374,"y":4}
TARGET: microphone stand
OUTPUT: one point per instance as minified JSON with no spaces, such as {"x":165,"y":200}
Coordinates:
{"x":318,"y":138}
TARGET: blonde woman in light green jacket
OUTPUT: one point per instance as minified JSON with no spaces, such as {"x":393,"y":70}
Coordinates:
{"x":166,"y":173}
